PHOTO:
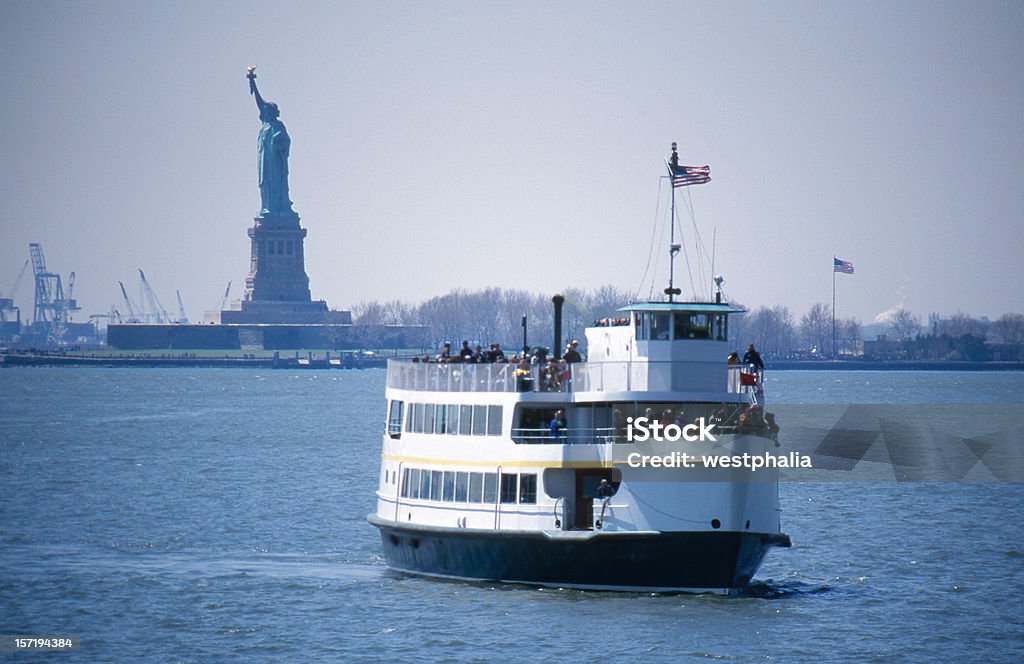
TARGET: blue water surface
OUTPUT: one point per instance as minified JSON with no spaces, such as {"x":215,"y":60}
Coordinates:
{"x":213,"y":515}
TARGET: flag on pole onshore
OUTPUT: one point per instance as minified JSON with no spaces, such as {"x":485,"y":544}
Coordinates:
{"x":846,"y":267}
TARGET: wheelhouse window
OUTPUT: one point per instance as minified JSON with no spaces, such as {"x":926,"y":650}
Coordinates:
{"x":692,"y":326}
{"x":659,"y":326}
{"x":720,"y":324}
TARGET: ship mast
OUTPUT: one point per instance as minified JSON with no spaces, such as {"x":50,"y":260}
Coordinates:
{"x":673,"y":248}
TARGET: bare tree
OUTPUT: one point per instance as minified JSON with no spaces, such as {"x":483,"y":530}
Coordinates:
{"x":848,"y":330}
{"x":905,"y":325}
{"x":816,"y":328}
{"x":1009,"y":329}
{"x":771,"y":329}
{"x":960,"y":324}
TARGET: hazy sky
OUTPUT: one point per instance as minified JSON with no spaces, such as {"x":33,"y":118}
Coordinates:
{"x":438,"y":145}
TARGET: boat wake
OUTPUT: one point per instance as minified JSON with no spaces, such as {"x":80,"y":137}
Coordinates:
{"x":783,"y":589}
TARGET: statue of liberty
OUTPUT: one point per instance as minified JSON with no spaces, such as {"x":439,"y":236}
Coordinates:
{"x":272,"y":149}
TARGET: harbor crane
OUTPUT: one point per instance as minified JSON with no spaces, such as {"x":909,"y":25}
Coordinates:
{"x":17,"y":281}
{"x":182,"y":318}
{"x":152,"y":301}
{"x":132,"y":318}
{"x":52,"y":309}
{"x":50,"y":305}
{"x":9,"y":311}
{"x":224,"y":300}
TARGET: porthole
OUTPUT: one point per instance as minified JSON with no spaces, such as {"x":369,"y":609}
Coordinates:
{"x":748,"y":524}
{"x":393,"y":539}
{"x":716,"y":524}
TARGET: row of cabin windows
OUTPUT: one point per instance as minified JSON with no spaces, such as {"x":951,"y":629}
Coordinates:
{"x":452,"y":419}
{"x":278,"y":247}
{"x":664,"y":326}
{"x":457,"y":486}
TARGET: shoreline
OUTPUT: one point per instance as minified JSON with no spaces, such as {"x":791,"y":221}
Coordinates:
{"x":325,"y":361}
{"x":890,"y":365}
{"x":337,"y":360}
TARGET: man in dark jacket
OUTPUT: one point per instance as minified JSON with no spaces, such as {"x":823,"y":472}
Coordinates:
{"x":753,"y":359}
{"x":571,"y":354}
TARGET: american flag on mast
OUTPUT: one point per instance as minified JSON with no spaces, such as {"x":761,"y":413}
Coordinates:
{"x":684,"y":176}
{"x":846,"y":267}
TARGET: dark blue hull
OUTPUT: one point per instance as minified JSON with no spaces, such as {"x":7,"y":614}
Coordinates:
{"x":695,"y":561}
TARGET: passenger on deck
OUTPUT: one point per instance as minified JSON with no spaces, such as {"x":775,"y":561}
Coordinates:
{"x":571,"y":354}
{"x":753,"y":359}
{"x":773,"y":427}
{"x":446,"y":352}
{"x":605,"y":490}
{"x":756,"y":415}
{"x":733,"y":359}
{"x":522,"y":373}
{"x":618,"y":425}
{"x":496,"y":353}
{"x":559,"y":426}
{"x":667,"y":418}
{"x":465,"y":353}
{"x":552,"y":376}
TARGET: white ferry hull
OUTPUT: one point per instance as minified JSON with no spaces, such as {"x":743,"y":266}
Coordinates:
{"x":722,"y":562}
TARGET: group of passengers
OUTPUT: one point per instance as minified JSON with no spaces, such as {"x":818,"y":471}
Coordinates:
{"x":751,"y":359}
{"x":611,"y":322}
{"x":534,"y":370}
{"x":492,"y":355}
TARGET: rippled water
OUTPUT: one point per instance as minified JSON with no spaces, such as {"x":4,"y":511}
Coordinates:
{"x":209,"y":515}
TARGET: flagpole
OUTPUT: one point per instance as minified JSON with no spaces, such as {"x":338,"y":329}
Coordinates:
{"x":833,"y":306}
{"x":672,"y":242}
{"x":673,"y":248}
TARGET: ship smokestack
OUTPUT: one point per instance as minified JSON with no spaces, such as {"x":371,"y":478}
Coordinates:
{"x":558,"y":300}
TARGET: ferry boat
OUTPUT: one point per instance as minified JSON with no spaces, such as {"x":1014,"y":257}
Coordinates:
{"x":539,"y":473}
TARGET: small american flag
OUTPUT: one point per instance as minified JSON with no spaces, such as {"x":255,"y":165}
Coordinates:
{"x":846,"y":267}
{"x":684,"y":176}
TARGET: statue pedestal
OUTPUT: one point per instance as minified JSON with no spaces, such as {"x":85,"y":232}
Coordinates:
{"x":280,"y":312}
{"x":277,"y":270}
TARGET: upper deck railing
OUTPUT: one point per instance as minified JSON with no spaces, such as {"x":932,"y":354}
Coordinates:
{"x":551,"y":377}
